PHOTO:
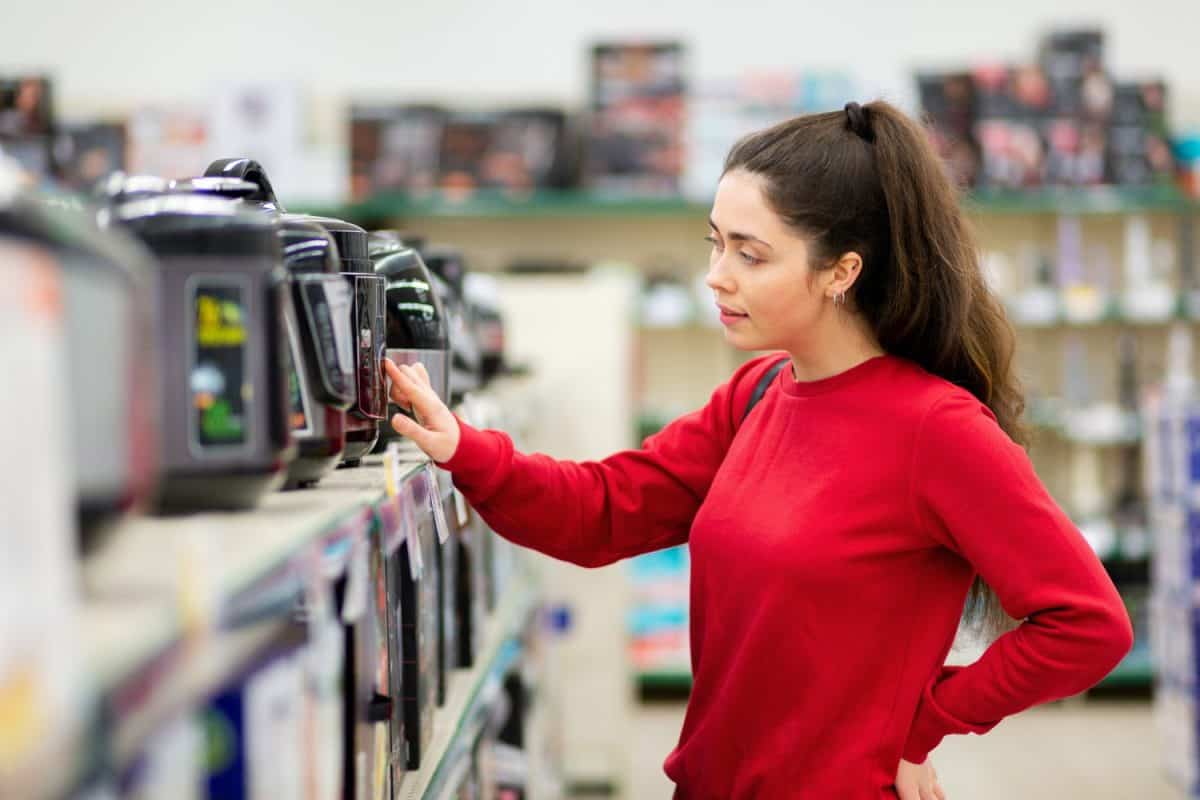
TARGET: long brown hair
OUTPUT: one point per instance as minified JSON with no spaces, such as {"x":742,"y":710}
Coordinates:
{"x":867,"y":180}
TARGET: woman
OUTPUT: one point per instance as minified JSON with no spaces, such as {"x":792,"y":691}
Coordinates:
{"x":837,"y":530}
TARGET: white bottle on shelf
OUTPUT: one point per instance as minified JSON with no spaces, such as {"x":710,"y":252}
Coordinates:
{"x":1038,"y":303}
{"x":1148,"y":295}
{"x":1083,"y":299}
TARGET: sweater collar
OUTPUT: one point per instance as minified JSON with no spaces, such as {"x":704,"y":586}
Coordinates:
{"x":855,"y":375}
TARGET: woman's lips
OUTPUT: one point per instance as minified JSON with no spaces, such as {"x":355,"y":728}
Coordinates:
{"x":729,"y":316}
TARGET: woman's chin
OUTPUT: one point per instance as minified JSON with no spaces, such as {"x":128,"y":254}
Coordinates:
{"x":741,"y":340}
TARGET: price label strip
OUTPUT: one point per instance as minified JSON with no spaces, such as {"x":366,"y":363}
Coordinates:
{"x":358,"y":579}
{"x":411,"y":533}
{"x":461,"y":510}
{"x":435,"y":502}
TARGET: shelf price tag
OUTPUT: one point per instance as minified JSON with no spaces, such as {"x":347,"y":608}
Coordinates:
{"x":461,"y":511}
{"x":408,"y":507}
{"x":391,"y":470}
{"x":358,"y":579}
{"x":436,"y":506}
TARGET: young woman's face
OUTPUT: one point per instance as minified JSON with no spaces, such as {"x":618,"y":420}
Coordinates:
{"x":758,"y":270}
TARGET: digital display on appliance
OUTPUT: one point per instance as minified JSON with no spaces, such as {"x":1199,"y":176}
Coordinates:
{"x":220,"y":380}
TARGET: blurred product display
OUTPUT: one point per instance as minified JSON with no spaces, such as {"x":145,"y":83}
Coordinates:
{"x":637,"y":103}
{"x":107,"y":281}
{"x":1062,"y":121}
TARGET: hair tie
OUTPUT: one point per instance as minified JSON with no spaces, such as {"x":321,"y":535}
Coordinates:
{"x":858,"y":120}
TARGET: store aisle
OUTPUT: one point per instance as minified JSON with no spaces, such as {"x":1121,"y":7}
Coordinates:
{"x":1072,"y":751}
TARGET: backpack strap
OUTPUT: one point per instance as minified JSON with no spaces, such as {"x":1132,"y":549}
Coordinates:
{"x":763,"y":384}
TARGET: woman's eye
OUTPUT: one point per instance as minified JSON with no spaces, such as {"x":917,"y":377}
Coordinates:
{"x":713,"y":241}
{"x":749,"y":259}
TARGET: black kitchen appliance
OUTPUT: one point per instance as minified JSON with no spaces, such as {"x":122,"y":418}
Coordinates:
{"x":108,"y":283}
{"x":322,"y":385}
{"x":222,"y":300}
{"x":482,"y":296}
{"x":368,"y":310}
{"x":416,"y":322}
{"x":448,"y":269}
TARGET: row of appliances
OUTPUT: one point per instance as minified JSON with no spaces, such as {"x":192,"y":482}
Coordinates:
{"x":221,"y":347}
{"x":338,"y":700}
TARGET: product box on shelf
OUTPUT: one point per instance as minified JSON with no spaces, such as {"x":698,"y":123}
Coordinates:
{"x":1011,"y":102}
{"x":27,"y":122}
{"x":1073,"y":62}
{"x":446,"y":525}
{"x":323,"y":662}
{"x":86,"y":152}
{"x":394,"y":148}
{"x":1139,"y":150}
{"x":361,"y":597}
{"x":637,"y":105}
{"x":413,"y":607}
{"x":948,"y":104}
{"x":255,"y":728}
{"x":512,"y":149}
{"x":723,"y":110}
{"x":472,"y":590}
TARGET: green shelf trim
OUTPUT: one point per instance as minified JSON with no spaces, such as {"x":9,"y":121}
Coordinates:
{"x":547,"y":203}
{"x":1084,"y":200}
{"x":664,"y":679}
{"x":503,"y":205}
{"x":1136,"y":669}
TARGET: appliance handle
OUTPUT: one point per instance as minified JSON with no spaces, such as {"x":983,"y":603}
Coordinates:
{"x":248,"y":170}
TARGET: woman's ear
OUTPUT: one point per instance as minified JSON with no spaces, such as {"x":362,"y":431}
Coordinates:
{"x":844,"y":273}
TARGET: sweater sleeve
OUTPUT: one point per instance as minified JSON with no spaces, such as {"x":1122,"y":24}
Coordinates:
{"x":593,"y":513}
{"x":975,"y":491}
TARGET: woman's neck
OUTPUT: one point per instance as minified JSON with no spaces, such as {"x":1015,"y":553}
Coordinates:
{"x":843,"y":343}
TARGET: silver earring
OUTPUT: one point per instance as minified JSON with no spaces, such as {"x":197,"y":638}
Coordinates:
{"x":839,"y":299}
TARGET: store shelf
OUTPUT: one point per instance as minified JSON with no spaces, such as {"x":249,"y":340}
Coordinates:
{"x":176,"y":606}
{"x":466,"y":695}
{"x":491,"y":204}
{"x":1112,"y":313}
{"x":1097,"y":426}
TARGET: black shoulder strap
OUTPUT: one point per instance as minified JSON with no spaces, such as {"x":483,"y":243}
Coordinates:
{"x":760,"y":388}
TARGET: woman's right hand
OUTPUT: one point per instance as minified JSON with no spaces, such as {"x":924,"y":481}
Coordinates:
{"x":437,"y":431}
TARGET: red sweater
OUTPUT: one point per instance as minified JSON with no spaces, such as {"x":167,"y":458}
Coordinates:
{"x":834,"y":534}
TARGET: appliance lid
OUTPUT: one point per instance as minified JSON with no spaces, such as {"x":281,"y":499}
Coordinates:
{"x":352,"y":241}
{"x":388,"y":240}
{"x":448,"y":264}
{"x":68,"y":225}
{"x":415,"y":317}
{"x":308,"y":248}
{"x":220,"y":186}
{"x":191,"y":224}
{"x":120,"y":187}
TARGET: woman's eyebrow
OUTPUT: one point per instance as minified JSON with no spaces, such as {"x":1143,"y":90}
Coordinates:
{"x":739,"y":237}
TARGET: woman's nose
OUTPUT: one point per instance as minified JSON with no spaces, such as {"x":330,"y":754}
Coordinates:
{"x":718,"y":277}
